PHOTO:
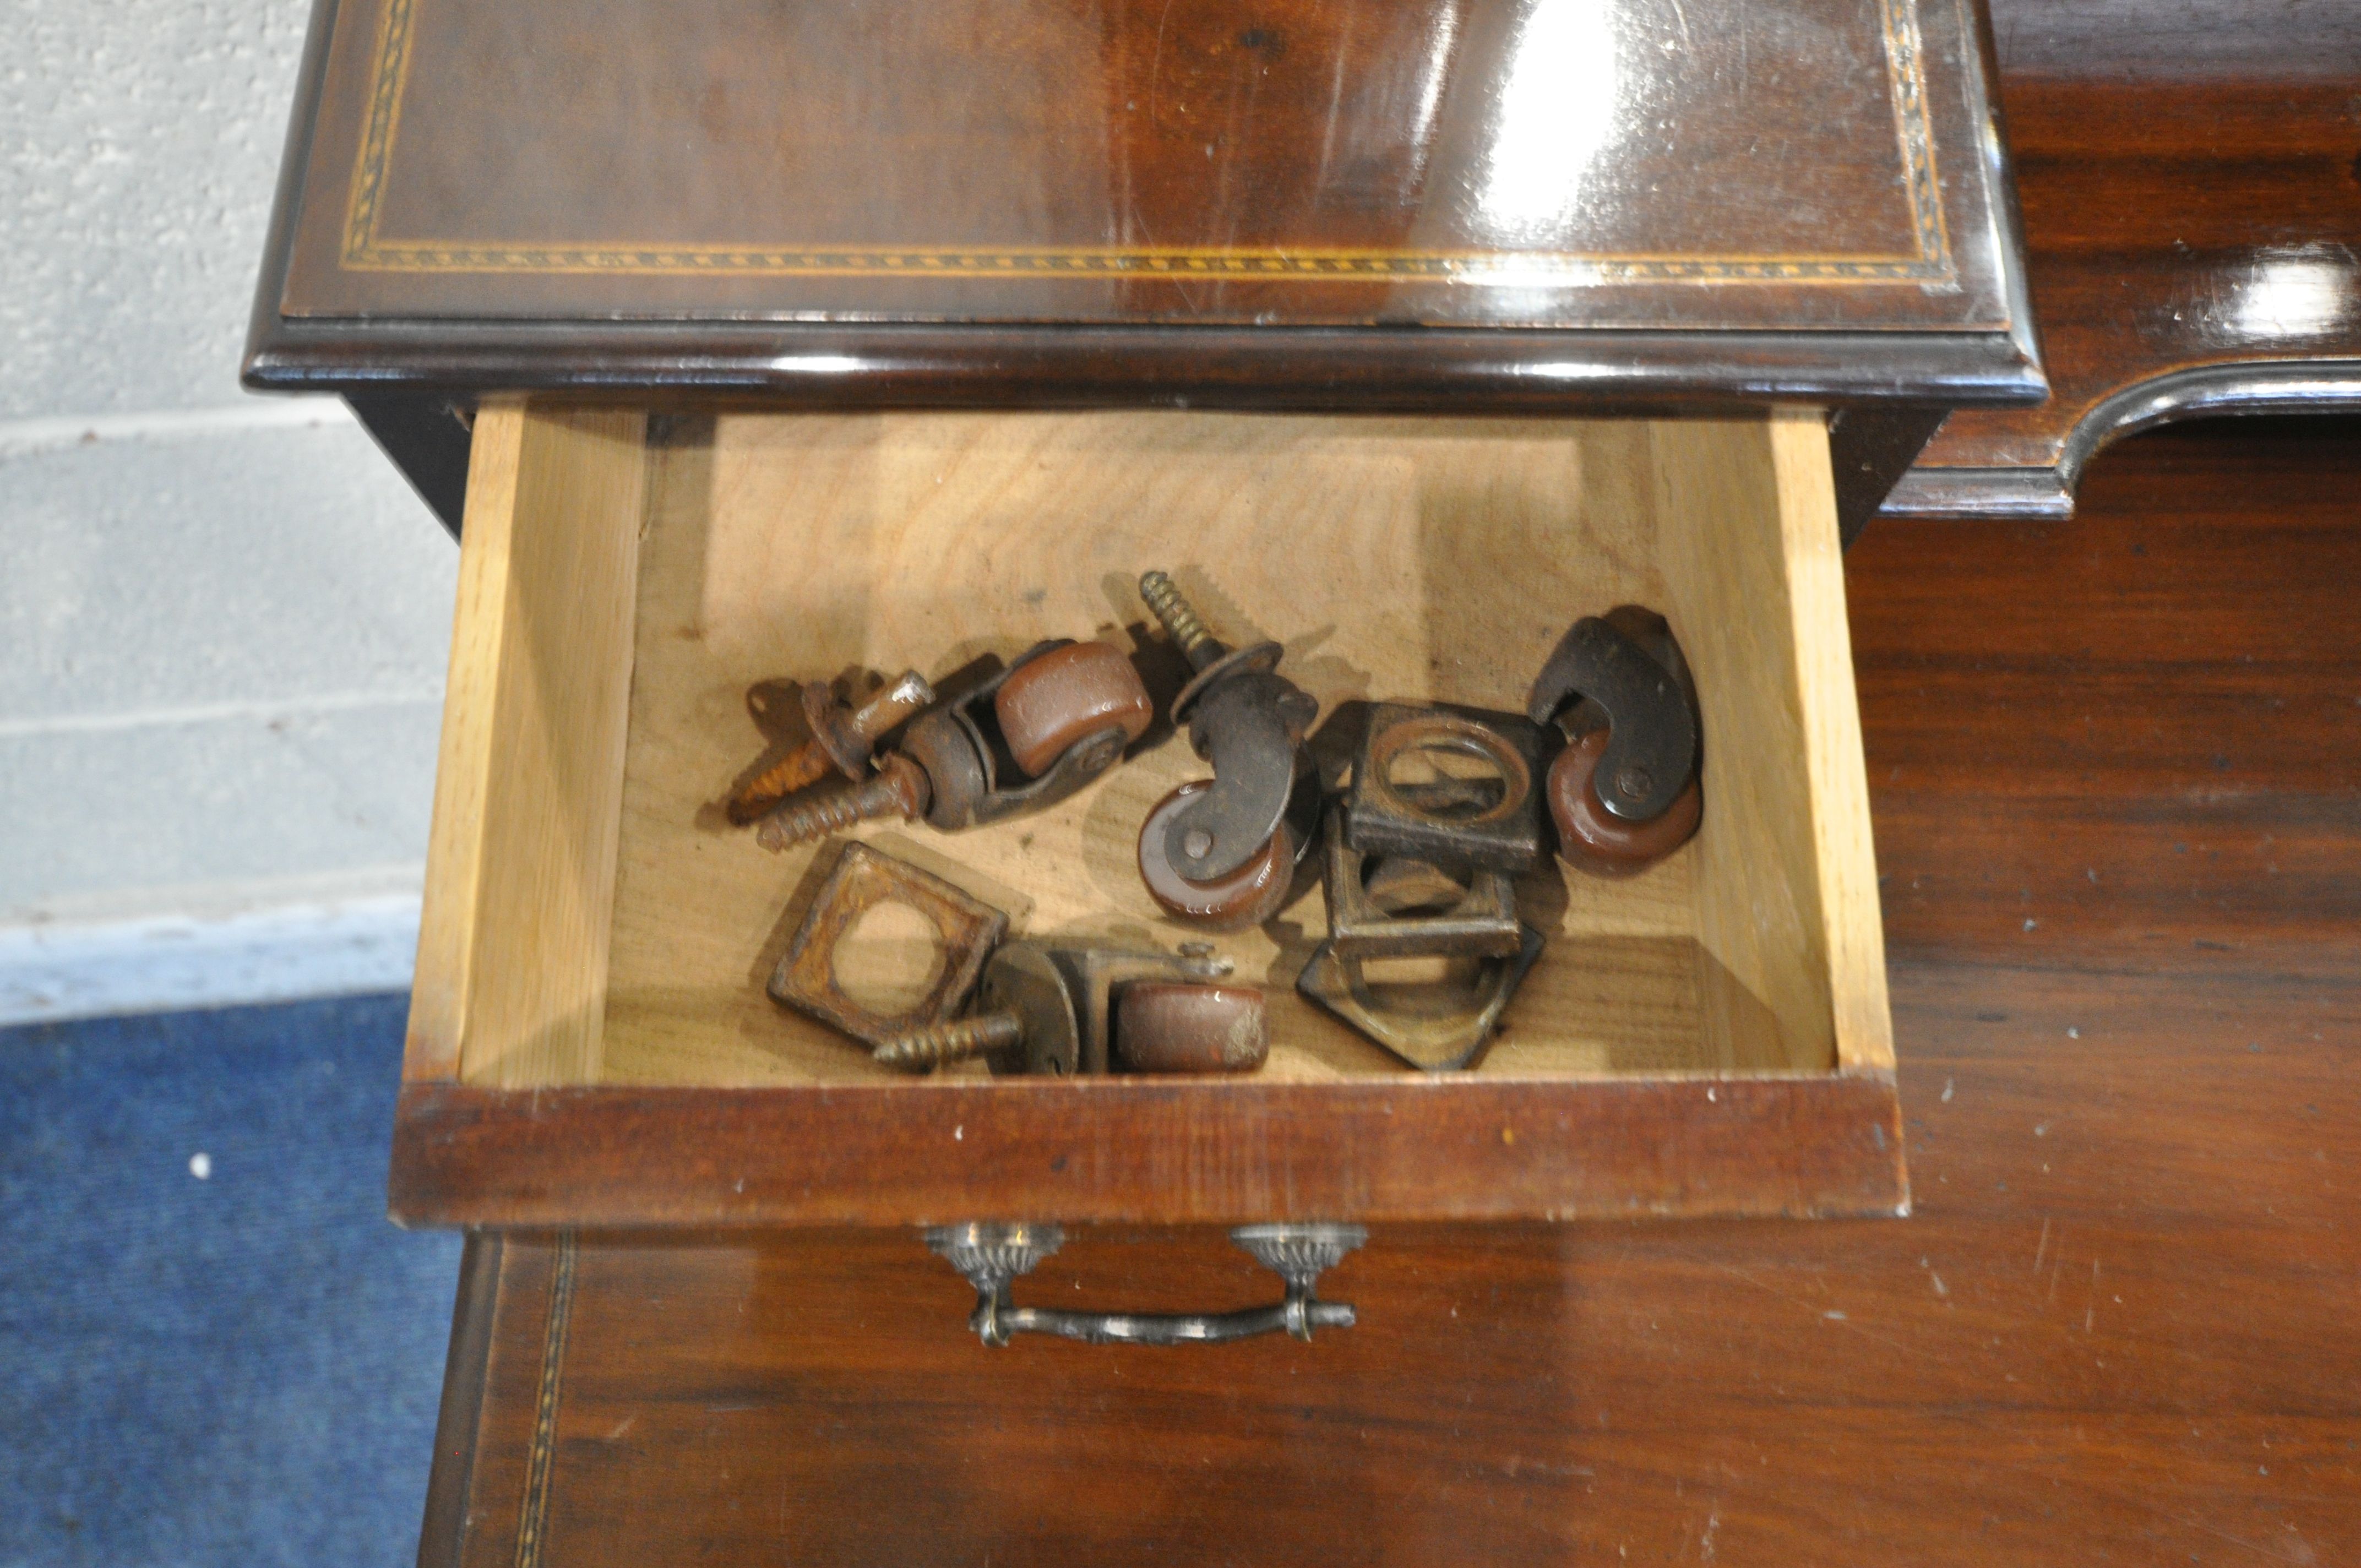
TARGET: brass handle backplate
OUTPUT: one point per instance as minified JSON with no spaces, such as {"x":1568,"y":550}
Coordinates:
{"x":992,"y":1256}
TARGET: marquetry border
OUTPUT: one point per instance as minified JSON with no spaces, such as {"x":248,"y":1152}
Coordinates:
{"x":366,"y":250}
{"x":532,"y":1515}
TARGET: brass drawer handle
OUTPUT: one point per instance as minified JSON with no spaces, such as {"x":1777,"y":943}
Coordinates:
{"x":992,"y":1255}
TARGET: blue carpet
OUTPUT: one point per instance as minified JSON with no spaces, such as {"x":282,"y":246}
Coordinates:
{"x":240,"y":1369}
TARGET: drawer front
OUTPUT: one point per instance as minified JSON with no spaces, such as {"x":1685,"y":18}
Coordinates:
{"x":592,"y":1040}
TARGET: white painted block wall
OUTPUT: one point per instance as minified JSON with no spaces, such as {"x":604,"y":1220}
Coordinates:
{"x":224,"y":619}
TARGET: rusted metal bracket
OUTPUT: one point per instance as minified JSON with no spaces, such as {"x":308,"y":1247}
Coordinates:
{"x":1246,"y":720}
{"x":959,"y":747}
{"x":863,"y":879}
{"x":1652,"y":747}
{"x":1489,"y":821}
{"x":1446,"y":1026}
{"x":1048,"y":1009}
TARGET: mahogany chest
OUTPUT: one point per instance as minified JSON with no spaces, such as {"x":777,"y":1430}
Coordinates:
{"x":750,"y":341}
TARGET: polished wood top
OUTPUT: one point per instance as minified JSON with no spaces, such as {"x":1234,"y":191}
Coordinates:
{"x":762,"y":187}
{"x":2192,"y":195}
{"x":1464,"y":161}
{"x":2195,"y":249}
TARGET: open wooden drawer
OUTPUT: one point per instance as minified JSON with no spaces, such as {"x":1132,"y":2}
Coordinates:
{"x":591,"y":1041}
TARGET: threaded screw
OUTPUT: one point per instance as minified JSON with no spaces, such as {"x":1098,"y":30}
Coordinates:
{"x":900,"y":789}
{"x":1180,"y":619}
{"x":842,"y":738}
{"x":919,"y":1050}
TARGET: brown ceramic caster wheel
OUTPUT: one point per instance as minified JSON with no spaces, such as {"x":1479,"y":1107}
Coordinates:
{"x":1586,"y":829}
{"x":1247,"y":896}
{"x":1051,"y":701}
{"x":1168,"y":1026}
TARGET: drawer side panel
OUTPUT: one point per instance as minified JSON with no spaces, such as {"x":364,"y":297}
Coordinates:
{"x":520,"y":865}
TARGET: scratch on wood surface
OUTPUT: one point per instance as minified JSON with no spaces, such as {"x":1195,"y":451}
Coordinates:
{"x":2301,"y":1552}
{"x":1811,"y":1306}
{"x":2042,"y":1251}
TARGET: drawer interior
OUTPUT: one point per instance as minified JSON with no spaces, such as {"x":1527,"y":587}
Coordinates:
{"x":592,"y":918}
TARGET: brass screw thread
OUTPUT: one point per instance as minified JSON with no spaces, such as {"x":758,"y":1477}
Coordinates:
{"x":1180,"y":619}
{"x":899,"y":790}
{"x":955,"y":1041}
{"x":810,"y":763}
